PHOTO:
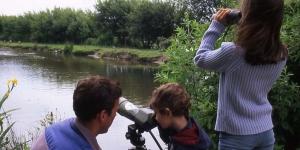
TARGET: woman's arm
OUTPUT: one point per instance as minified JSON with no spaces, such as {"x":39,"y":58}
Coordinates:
{"x":208,"y":58}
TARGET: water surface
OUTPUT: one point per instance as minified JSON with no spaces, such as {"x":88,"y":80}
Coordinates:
{"x":47,"y":81}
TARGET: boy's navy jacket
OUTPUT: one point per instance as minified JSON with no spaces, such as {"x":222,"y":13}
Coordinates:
{"x":192,"y":137}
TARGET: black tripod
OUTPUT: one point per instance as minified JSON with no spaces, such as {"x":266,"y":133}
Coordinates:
{"x":134,"y":134}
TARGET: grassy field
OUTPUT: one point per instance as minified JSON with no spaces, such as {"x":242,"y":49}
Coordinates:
{"x":86,"y":49}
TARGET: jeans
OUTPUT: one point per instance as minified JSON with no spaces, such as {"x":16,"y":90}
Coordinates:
{"x":260,"y":141}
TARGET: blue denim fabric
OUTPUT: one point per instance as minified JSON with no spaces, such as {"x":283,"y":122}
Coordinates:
{"x":261,"y":141}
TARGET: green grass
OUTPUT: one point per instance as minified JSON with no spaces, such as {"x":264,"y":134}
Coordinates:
{"x":141,"y":53}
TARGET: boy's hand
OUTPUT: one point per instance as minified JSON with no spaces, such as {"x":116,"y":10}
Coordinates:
{"x":220,"y":16}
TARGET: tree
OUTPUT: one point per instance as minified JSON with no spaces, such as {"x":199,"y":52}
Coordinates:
{"x":8,"y":25}
{"x":61,"y":25}
{"x":151,"y":20}
{"x":135,"y":23}
{"x":112,"y":18}
{"x":41,"y":27}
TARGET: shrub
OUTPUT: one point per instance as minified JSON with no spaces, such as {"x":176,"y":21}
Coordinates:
{"x":291,"y":36}
{"x":68,"y":49}
{"x":203,"y":86}
{"x":285,"y":97}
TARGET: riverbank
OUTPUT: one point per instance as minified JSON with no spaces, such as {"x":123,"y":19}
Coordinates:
{"x":143,"y":56}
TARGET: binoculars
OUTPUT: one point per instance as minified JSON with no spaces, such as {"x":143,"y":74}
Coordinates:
{"x":233,"y":17}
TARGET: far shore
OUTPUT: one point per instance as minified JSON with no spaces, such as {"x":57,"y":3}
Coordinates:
{"x":143,"y":56}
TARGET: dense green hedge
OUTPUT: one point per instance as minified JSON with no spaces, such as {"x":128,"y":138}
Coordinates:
{"x":203,"y":85}
{"x":134,"y":23}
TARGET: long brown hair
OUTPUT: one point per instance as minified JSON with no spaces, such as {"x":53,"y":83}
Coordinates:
{"x":259,"y":31}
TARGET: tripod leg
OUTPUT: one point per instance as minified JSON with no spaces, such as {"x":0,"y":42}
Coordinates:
{"x":157,"y":143}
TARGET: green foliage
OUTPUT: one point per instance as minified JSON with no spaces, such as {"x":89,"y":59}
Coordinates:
{"x":128,"y":23}
{"x":203,"y":85}
{"x":151,"y":20}
{"x":227,"y":3}
{"x":285,"y":97}
{"x":68,"y":49}
{"x":202,"y":10}
{"x":4,"y":139}
{"x":286,"y":93}
{"x":112,"y":18}
{"x":8,"y":140}
{"x":163,"y":43}
{"x":51,"y":26}
{"x":61,"y":25}
{"x":134,"y":22}
{"x":15,"y":28}
{"x":49,"y":119}
{"x":291,"y":36}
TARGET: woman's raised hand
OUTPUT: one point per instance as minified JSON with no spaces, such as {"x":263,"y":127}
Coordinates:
{"x":220,"y":16}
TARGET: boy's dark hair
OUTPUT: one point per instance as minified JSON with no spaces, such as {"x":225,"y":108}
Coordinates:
{"x":172,"y":96}
{"x":94,"y":94}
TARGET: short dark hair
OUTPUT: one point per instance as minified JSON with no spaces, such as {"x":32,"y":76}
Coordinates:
{"x":94,"y":94}
{"x":172,"y":96}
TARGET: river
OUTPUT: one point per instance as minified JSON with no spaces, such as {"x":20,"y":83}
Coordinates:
{"x":47,"y":81}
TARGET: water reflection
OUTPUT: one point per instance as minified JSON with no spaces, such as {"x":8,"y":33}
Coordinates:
{"x":136,"y":80}
{"x":47,"y":82}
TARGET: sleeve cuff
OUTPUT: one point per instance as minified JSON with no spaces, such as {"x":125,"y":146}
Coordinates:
{"x":217,"y":26}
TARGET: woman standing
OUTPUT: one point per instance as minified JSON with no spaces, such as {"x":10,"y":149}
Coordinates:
{"x":248,"y":68}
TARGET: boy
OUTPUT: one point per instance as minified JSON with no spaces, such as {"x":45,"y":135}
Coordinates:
{"x":171,"y":104}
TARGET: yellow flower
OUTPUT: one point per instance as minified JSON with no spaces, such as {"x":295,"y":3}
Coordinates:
{"x":13,"y":81}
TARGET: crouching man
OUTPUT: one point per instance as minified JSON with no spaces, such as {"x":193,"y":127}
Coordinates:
{"x":95,"y":103}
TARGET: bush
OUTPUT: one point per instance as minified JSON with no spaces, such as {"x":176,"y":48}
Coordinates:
{"x":91,"y":41}
{"x":291,"y":36}
{"x":285,"y":97}
{"x":203,"y":86}
{"x":163,"y":43}
{"x":105,"y":39}
{"x":68,"y":49}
